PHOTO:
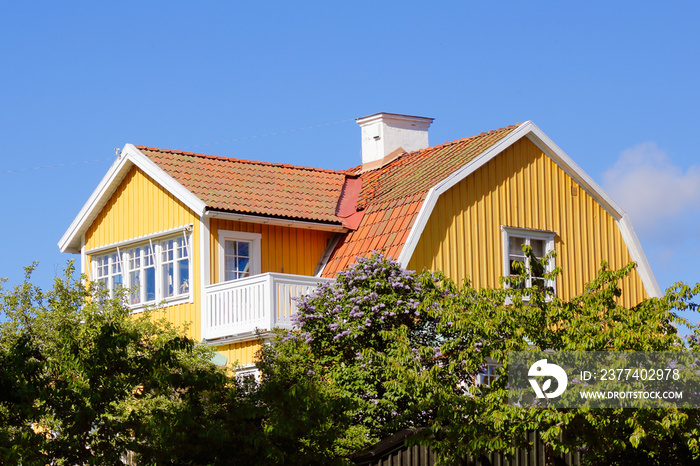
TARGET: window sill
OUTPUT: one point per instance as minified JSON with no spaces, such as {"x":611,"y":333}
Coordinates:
{"x":141,"y":307}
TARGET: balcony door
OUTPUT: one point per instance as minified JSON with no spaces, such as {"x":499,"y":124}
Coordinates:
{"x":239,"y":254}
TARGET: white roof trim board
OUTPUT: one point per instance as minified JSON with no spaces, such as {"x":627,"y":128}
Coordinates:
{"x":532,"y":132}
{"x":130,"y":156}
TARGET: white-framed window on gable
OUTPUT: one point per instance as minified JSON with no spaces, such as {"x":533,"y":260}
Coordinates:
{"x":108,"y":272}
{"x":541,"y":242}
{"x":154,"y":271}
{"x":175,"y":263}
{"x":141,"y":265}
{"x":239,"y":254}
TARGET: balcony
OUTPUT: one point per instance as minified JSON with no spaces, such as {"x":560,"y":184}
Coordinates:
{"x":259,"y":303}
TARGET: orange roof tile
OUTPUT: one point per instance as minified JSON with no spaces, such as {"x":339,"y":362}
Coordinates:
{"x":256,"y":188}
{"x":393,"y":195}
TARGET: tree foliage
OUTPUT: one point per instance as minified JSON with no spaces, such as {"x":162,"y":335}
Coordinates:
{"x":84,"y":382}
{"x":403,"y":349}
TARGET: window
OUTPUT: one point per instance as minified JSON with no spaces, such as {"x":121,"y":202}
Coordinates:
{"x":141,"y":265}
{"x":541,"y":242}
{"x":239,"y":254}
{"x":152,"y":271}
{"x":108,"y":272}
{"x":488,"y":375}
{"x":175,"y":265}
{"x":236,"y":259}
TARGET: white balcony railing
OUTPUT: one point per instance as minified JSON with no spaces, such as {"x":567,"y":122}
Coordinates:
{"x":258,"y":303}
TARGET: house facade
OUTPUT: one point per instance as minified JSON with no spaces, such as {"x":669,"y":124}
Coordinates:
{"x":222,"y":246}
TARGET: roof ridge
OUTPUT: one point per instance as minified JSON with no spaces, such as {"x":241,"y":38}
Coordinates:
{"x":482,"y":134}
{"x":237,"y":160}
{"x":438,"y":146}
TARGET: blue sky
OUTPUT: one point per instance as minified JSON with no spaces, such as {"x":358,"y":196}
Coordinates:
{"x":614,"y":84}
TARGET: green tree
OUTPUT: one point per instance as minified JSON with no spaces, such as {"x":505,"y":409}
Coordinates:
{"x":403,"y":349}
{"x":514,"y":319}
{"x":82,"y":381}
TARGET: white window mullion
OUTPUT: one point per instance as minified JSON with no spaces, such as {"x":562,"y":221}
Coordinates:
{"x":144,"y":266}
{"x":156,"y":249}
{"x":125,"y":271}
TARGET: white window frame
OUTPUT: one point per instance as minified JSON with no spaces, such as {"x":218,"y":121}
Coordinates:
{"x":529,"y":234}
{"x":126,"y":255}
{"x":248,"y":370}
{"x":255,"y":250}
{"x":138,"y":259}
{"x":490,"y":375}
{"x":112,"y":265}
{"x":180,"y":254}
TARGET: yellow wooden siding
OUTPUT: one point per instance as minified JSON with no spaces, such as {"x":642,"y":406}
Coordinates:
{"x":140,"y":207}
{"x":283,"y":249}
{"x":522,"y":188}
{"x":240,"y":353}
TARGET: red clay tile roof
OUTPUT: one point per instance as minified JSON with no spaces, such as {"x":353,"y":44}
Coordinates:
{"x":393,"y":195}
{"x":389,"y":197}
{"x":256,"y":188}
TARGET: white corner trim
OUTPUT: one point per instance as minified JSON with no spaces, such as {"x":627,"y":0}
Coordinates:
{"x":548,"y":147}
{"x":129,"y":156}
{"x":204,"y":269}
{"x":637,"y":253}
{"x":83,"y":257}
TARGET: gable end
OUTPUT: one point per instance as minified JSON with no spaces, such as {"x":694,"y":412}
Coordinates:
{"x":129,"y":157}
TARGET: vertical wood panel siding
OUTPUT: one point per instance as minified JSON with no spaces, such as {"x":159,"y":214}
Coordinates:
{"x":140,"y":207}
{"x":522,"y":188}
{"x":283,"y":249}
{"x":240,"y":353}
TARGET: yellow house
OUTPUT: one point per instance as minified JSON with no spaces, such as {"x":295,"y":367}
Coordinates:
{"x":223,"y":245}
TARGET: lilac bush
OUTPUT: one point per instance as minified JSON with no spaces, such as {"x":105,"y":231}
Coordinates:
{"x":356,"y":329}
{"x":374,"y":294}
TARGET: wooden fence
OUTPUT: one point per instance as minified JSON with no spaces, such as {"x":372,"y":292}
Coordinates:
{"x":393,"y":451}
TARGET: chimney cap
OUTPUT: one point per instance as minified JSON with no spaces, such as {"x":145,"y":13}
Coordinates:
{"x":393,"y":116}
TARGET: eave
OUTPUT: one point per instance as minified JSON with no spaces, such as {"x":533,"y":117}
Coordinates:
{"x":285,"y":222}
{"x":129,"y":157}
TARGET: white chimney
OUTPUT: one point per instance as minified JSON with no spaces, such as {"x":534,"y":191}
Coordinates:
{"x":384,"y":133}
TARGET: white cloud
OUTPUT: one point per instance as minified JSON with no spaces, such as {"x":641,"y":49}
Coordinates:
{"x":652,"y":190}
{"x":663,"y":202}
